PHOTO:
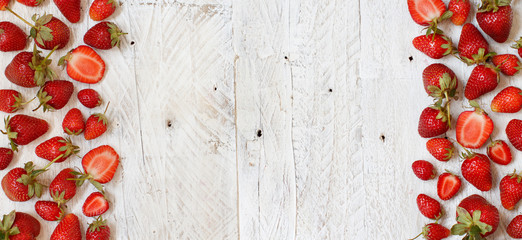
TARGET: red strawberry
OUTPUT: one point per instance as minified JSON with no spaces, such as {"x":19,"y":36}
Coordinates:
{"x":514,"y":229}
{"x":448,"y":185}
{"x":495,"y":18}
{"x":483,"y":79}
{"x":514,"y":133}
{"x":19,"y":225}
{"x":27,"y":224}
{"x":68,"y":229}
{"x":429,"y":207}
{"x":460,"y":10}
{"x":518,"y":46}
{"x":423,"y":170}
{"x":89,"y":98}
{"x":473,"y":127}
{"x":433,"y":121}
{"x":96,"y":125}
{"x":476,"y":169}
{"x":104,"y":35}
{"x":440,"y":148}
{"x":102,"y":9}
{"x":30,"y":3}
{"x":12,"y":38}
{"x":510,"y":190}
{"x":54,"y":95}
{"x":434,"y":46}
{"x":439,"y":81}
{"x":50,"y":32}
{"x":98,"y":230}
{"x":470,"y":43}
{"x":95,"y":205}
{"x":499,"y":152}
{"x":73,"y":123}
{"x":71,"y":9}
{"x":3,"y":4}
{"x":6,"y":156}
{"x":22,"y":236}
{"x":29,"y":69}
{"x":476,"y":218}
{"x":507,"y":63}
{"x":99,"y":165}
{"x":62,"y":188}
{"x":434,"y":231}
{"x":84,"y":65}
{"x":11,"y":101}
{"x":49,"y":210}
{"x":57,"y":148}
{"x":20,"y":184}
{"x":509,"y":100}
{"x":22,"y":129}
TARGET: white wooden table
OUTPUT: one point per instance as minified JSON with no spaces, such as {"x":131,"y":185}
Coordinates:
{"x":262,"y":119}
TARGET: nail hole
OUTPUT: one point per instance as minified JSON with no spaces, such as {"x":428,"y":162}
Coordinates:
{"x":383,"y":138}
{"x":286,"y":57}
{"x":259,"y":133}
{"x":411,"y":58}
{"x":169,"y":123}
{"x":330,"y":90}
{"x":132,"y":43}
{"x":215,"y":88}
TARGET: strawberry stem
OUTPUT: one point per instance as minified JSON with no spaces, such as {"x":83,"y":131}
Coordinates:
{"x":51,"y":163}
{"x":106,"y":108}
{"x":416,"y":236}
{"x":48,"y":55}
{"x":21,"y":18}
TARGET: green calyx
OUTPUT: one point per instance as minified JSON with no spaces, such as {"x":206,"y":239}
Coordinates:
{"x":115,"y":34}
{"x":432,"y":28}
{"x":471,"y":226}
{"x":19,"y":103}
{"x":6,"y":226}
{"x":444,"y":114}
{"x":40,"y":32}
{"x":493,"y":5}
{"x":69,"y":148}
{"x":518,"y":44}
{"x":10,"y":134}
{"x":44,"y":98}
{"x":41,"y":68}
{"x":479,"y":58}
{"x":113,"y":2}
{"x":98,"y":224}
{"x":29,"y":180}
{"x":448,"y":87}
{"x":515,"y":175}
{"x":82,"y":177}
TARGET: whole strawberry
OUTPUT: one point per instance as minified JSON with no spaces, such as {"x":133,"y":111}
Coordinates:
{"x":96,"y":125}
{"x":434,"y":231}
{"x":104,"y":35}
{"x":49,"y":210}
{"x":448,"y":185}
{"x":22,"y":129}
{"x":510,"y":190}
{"x":29,"y":69}
{"x":19,"y":225}
{"x":476,"y":169}
{"x":71,"y":9}
{"x":20,"y":184}
{"x":460,"y":10}
{"x":89,"y":98}
{"x":62,"y":188}
{"x":499,"y":152}
{"x":12,"y":38}
{"x":514,"y":133}
{"x":68,"y":229}
{"x":476,"y":218}
{"x":433,"y":121}
{"x":440,"y":148}
{"x":439,"y":81}
{"x":102,"y":9}
{"x":54,"y":95}
{"x":50,"y":32}
{"x":507,"y":63}
{"x":423,"y":170}
{"x":10,"y":100}
{"x":6,"y":157}
{"x":518,"y":46}
{"x":99,"y":230}
{"x":30,"y":3}
{"x":483,"y":79}
{"x":514,"y":229}
{"x":470,"y":44}
{"x":434,"y":45}
{"x":495,"y":18}
{"x":56,"y":148}
{"x":73,"y":123}
{"x":429,"y":207}
{"x":509,"y":100}
{"x":473,"y":128}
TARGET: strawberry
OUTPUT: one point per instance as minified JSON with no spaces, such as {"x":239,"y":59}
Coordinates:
{"x":29,"y":69}
{"x":460,"y":10}
{"x":470,"y":44}
{"x":507,"y":63}
{"x":499,"y":152}
{"x":19,"y":225}
{"x":22,"y":236}
{"x":63,"y":186}
{"x":20,"y":184}
{"x":54,"y":95}
{"x":49,"y":32}
{"x":22,"y":129}
{"x":514,"y":133}
{"x":12,"y":38}
{"x":68,"y":229}
{"x":49,"y":210}
{"x":509,"y":100}
{"x":495,"y":18}
{"x":439,"y":81}
{"x":6,"y":157}
{"x":99,"y":165}
{"x":448,"y":185}
{"x":84,"y":65}
{"x":510,"y":190}
{"x":434,"y":45}
{"x":30,"y":3}
{"x":423,"y":170}
{"x":476,"y":218}
{"x":89,"y":98}
{"x":3,"y":4}
{"x":434,"y":231}
{"x":73,"y":123}
{"x":57,"y":148}
{"x":514,"y":229}
{"x":104,"y":35}
{"x":11,"y":101}
{"x":71,"y":9}
{"x":102,"y":9}
{"x":434,"y":121}
{"x":98,"y":230}
{"x":476,"y":169}
{"x":429,"y":207}
{"x":473,"y":127}
{"x":96,"y":125}
{"x":95,"y":205}
{"x":518,"y":46}
{"x":440,"y":148}
{"x":483,"y":79}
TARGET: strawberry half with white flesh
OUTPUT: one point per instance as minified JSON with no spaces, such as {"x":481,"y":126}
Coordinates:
{"x":474,"y":127}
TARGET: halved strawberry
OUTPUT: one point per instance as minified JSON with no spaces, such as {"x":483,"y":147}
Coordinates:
{"x":84,"y":65}
{"x":99,"y":165}
{"x":499,"y":152}
{"x":426,"y":12}
{"x":474,"y":127}
{"x":448,"y":185}
{"x":95,"y":205}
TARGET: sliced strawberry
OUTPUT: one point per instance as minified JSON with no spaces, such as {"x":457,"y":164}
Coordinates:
{"x":424,"y":12}
{"x":84,"y":65}
{"x":99,"y":165}
{"x":474,"y":127}
{"x":448,"y":185}
{"x":499,"y":152}
{"x":95,"y":205}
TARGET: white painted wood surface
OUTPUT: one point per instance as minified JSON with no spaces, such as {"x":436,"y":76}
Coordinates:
{"x":262,"y":119}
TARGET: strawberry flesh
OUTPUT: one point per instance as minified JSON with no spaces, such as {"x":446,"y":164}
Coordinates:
{"x":84,"y":65}
{"x":101,"y":163}
{"x":473,"y":129}
{"x":448,"y":185}
{"x":425,"y":11}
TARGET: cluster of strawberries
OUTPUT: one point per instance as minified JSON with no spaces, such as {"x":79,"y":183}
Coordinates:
{"x":31,"y":70}
{"x":476,"y":217}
